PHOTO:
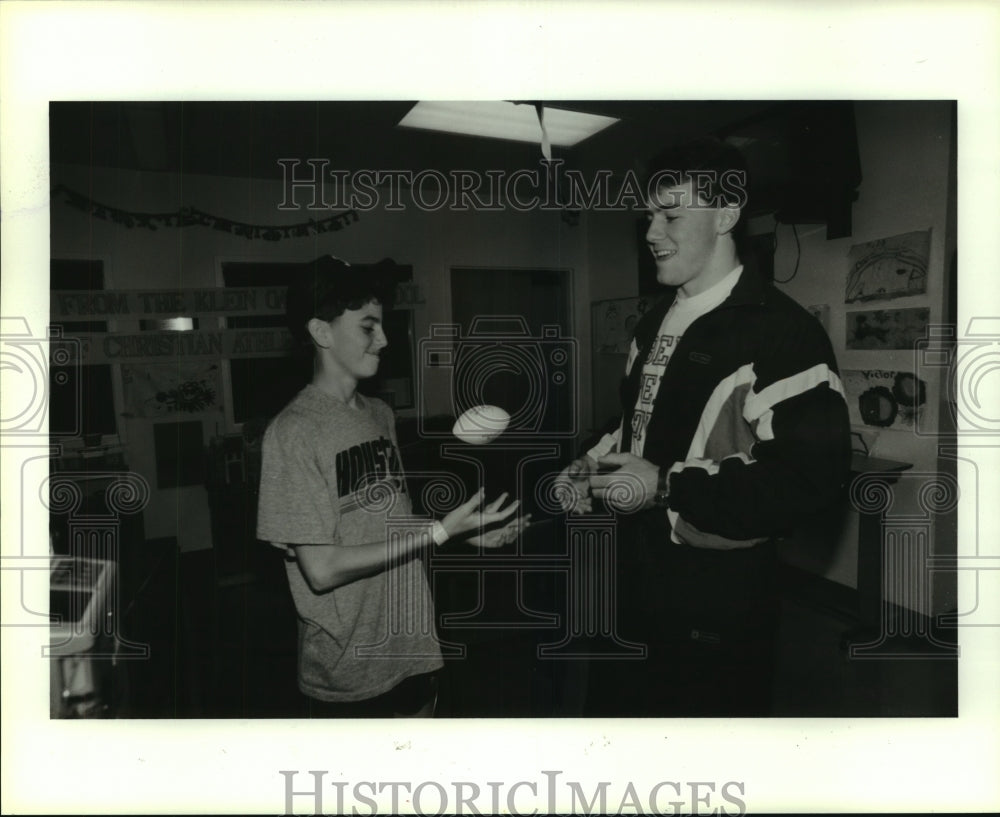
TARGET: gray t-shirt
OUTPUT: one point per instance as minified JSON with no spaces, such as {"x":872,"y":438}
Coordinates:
{"x":332,"y":475}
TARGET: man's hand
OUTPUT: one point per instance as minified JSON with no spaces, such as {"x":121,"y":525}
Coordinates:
{"x":572,"y":486}
{"x":630,"y":487}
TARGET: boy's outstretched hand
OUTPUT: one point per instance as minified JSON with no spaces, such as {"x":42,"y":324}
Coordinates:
{"x":471,"y":516}
{"x":499,"y":537}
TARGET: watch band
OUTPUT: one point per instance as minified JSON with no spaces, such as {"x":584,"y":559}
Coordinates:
{"x":662,"y":496}
{"x":438,"y":533}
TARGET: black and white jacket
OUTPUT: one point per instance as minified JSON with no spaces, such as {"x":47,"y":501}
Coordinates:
{"x":750,"y":418}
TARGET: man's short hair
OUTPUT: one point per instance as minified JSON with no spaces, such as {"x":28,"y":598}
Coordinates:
{"x":718,"y":169}
{"x":328,"y":286}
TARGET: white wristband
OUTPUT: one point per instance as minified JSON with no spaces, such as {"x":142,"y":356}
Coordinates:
{"x":438,"y":533}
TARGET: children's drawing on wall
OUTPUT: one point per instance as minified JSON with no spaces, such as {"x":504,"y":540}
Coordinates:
{"x":886,"y":328}
{"x":611,"y":330}
{"x":888,"y":267}
{"x":163,"y":389}
{"x":884,"y":399}
{"x":614,"y":323}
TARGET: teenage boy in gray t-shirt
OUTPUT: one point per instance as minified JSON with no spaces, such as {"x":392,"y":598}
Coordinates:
{"x":333,"y":496}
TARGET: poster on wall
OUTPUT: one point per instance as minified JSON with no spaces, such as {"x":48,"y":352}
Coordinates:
{"x":886,"y":328}
{"x":888,"y":268}
{"x":182,"y":387}
{"x":884,"y":399}
{"x":614,"y":322}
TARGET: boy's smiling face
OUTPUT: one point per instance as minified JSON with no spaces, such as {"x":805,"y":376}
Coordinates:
{"x":352,"y":342}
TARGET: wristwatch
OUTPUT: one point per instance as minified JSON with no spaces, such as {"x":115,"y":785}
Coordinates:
{"x":662,"y":496}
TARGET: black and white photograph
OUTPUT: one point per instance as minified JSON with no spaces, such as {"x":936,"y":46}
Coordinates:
{"x":403,"y":424}
{"x":180,"y":231}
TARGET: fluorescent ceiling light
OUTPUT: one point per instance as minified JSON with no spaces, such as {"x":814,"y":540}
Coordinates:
{"x":505,"y":120}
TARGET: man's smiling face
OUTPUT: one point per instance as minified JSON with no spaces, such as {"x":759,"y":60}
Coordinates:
{"x":682,"y":235}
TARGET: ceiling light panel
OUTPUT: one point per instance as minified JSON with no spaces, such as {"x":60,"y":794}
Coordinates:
{"x":505,"y":120}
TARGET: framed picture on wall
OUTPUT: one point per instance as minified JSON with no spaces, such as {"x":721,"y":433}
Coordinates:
{"x":613,"y":323}
{"x":886,"y":328}
{"x":888,"y":268}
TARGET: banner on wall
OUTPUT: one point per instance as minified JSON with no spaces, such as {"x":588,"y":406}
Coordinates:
{"x":166,"y":303}
{"x":192,"y":217}
{"x":141,"y":347}
{"x":101,"y":304}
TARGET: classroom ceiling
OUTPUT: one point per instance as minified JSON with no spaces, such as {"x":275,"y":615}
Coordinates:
{"x":246,"y":139}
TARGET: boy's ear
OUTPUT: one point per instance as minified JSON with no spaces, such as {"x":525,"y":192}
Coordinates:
{"x":319,"y":331}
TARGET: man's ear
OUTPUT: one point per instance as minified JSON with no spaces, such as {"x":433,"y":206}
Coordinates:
{"x":319,"y":331}
{"x":727,"y":218}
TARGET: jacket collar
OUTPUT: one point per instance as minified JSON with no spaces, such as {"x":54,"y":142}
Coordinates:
{"x":749,"y":290}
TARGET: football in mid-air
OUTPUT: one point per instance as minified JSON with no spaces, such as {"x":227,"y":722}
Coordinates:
{"x":481,"y":424}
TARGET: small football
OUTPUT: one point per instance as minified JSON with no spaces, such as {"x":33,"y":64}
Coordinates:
{"x":481,"y":424}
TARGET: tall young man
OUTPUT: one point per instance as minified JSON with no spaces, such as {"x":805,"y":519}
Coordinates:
{"x":735,"y":427}
{"x":334,"y":497}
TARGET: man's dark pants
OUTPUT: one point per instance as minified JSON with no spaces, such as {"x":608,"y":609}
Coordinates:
{"x":708,"y":618}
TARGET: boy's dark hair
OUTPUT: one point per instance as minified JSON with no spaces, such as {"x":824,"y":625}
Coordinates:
{"x":324,"y":288}
{"x":718,"y":168}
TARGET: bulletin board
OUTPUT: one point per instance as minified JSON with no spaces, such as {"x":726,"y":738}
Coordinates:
{"x":612,"y":325}
{"x":882,"y":389}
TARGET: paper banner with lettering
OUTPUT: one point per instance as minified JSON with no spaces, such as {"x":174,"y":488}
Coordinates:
{"x":190,"y":216}
{"x":100,"y":304}
{"x":160,"y":347}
